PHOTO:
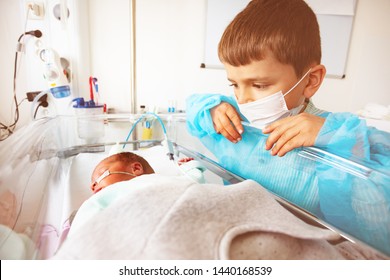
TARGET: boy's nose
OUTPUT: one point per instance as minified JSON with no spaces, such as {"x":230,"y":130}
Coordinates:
{"x":244,"y":96}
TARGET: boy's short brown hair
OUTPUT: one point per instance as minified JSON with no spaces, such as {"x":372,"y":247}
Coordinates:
{"x":287,"y":29}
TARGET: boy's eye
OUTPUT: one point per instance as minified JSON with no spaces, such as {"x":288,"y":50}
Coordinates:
{"x":259,"y":86}
{"x":233,"y":85}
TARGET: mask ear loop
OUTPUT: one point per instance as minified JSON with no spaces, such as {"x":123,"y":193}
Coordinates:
{"x":291,"y":89}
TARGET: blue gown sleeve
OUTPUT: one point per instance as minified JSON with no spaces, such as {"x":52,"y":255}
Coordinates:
{"x":347,"y":135}
{"x":199,"y":122}
{"x":356,"y":199}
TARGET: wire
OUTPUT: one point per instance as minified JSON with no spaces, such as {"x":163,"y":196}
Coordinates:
{"x":9,"y":129}
{"x":36,"y":110}
{"x":21,"y":101}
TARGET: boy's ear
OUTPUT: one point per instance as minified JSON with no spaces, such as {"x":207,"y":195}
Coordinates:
{"x":316,"y":77}
{"x":137,"y":168}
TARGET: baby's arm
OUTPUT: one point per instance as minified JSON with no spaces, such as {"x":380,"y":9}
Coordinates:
{"x":184,"y":160}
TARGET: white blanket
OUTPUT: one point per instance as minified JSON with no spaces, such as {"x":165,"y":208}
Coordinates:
{"x":170,"y":217}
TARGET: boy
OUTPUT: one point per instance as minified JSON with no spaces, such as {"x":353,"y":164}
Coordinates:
{"x":272,"y":54}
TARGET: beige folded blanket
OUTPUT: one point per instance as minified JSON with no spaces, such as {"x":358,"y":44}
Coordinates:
{"x":169,"y":217}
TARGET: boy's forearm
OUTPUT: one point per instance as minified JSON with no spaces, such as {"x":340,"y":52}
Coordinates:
{"x":199,"y":122}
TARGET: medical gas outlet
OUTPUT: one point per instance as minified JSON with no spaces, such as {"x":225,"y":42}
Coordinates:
{"x":35,"y":10}
{"x":54,"y":73}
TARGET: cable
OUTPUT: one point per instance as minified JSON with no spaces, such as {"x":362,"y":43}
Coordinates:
{"x":9,"y":129}
{"x":36,"y":110}
{"x":21,"y":101}
{"x":37,"y":99}
{"x":168,"y":142}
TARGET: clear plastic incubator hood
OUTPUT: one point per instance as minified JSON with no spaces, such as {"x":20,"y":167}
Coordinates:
{"x":45,"y":169}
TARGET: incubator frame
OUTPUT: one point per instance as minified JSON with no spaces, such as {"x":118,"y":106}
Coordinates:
{"x":51,"y":145}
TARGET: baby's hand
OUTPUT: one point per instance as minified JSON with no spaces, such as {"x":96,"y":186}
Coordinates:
{"x":227,"y":121}
{"x":184,"y":160}
{"x":292,"y":132}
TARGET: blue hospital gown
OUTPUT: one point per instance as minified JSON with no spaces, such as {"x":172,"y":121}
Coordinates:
{"x":353,"y":198}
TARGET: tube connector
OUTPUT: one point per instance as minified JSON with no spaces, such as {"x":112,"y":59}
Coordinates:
{"x":170,"y":149}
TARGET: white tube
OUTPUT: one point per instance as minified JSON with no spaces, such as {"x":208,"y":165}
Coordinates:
{"x":42,"y":93}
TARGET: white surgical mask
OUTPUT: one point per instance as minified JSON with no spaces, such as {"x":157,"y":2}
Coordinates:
{"x":266,"y":110}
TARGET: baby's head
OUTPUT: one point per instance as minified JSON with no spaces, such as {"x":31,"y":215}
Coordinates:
{"x":118,"y":167}
{"x":287,"y":30}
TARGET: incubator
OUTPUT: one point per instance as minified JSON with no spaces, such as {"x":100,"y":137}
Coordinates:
{"x":46,"y":166}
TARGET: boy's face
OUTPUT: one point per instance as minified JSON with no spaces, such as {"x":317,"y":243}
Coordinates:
{"x":263,"y":78}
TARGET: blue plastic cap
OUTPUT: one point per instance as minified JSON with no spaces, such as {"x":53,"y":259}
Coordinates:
{"x":60,"y":92}
{"x":80,"y":103}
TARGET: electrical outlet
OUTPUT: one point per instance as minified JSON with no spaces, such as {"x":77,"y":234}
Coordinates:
{"x":32,"y":94}
{"x":35,"y":10}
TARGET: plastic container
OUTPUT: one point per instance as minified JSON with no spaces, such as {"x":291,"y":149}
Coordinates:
{"x":89,"y":125}
{"x":60,"y":92}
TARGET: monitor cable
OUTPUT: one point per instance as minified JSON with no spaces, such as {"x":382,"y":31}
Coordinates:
{"x":7,"y":130}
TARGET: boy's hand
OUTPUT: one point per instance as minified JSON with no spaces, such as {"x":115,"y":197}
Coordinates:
{"x":292,"y":132}
{"x":227,"y":121}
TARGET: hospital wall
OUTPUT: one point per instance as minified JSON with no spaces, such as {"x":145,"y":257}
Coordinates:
{"x":10,"y":30}
{"x":170,"y":38}
{"x":69,"y":38}
{"x":169,"y":51}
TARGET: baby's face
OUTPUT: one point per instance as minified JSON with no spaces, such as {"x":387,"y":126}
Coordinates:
{"x":263,"y":78}
{"x":105,"y":174}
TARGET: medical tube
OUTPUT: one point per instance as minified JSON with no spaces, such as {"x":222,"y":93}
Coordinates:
{"x":139,"y":119}
{"x":36,"y":99}
{"x":168,"y":142}
{"x":142,"y":117}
